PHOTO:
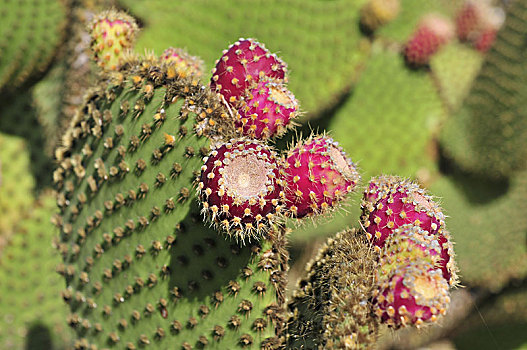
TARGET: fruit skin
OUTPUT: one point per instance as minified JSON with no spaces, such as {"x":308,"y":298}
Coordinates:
{"x":112,"y":35}
{"x":376,"y":13}
{"x":182,"y":63}
{"x":319,"y":175}
{"x":412,"y":294}
{"x":241,"y":188}
{"x":266,"y":110}
{"x":432,"y":32}
{"x":244,"y":62}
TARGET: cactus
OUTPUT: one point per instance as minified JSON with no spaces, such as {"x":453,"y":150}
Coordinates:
{"x":16,"y":184}
{"x":30,"y":36}
{"x":487,"y":135}
{"x":141,"y":232}
{"x":32,"y":312}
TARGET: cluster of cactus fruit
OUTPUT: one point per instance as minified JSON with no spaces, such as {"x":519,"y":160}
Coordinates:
{"x":141,"y":266}
{"x":174,"y":201}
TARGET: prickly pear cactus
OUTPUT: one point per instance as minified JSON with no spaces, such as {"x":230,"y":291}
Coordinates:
{"x":29,"y":37}
{"x":488,"y":134}
{"x":16,"y":184}
{"x":141,"y":268}
{"x":32,"y":313}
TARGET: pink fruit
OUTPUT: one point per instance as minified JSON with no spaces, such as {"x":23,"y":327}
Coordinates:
{"x":318,"y":175}
{"x":266,"y":110}
{"x":241,"y":187}
{"x":245,"y":62}
{"x":432,"y":32}
{"x":112,"y":34}
{"x":391,"y":202}
{"x":478,"y":23}
{"x":183,"y":64}
{"x":411,"y":295}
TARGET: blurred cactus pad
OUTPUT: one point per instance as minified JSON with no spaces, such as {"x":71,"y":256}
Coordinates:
{"x":107,"y":240}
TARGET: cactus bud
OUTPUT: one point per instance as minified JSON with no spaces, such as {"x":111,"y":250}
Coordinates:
{"x":245,"y":61}
{"x":112,"y":34}
{"x":241,"y":188}
{"x":319,"y":174}
{"x":432,"y":32}
{"x":376,"y":13}
{"x":182,"y":63}
{"x":266,"y":110}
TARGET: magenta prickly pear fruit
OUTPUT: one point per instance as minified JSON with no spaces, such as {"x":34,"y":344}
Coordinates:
{"x":241,"y":188}
{"x":391,"y":202}
{"x":410,"y":243}
{"x":318,"y":174}
{"x":182,"y":63}
{"x":413,"y":294}
{"x":266,"y":110}
{"x":432,"y":32}
{"x":112,"y":35}
{"x":376,"y":13}
{"x":245,"y":62}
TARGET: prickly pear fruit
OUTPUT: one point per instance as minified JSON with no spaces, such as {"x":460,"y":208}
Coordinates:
{"x":390,"y":202}
{"x":266,"y":110}
{"x":411,"y":295}
{"x":411,"y":243}
{"x":376,"y":13}
{"x":112,"y":34}
{"x":478,"y":22}
{"x":182,"y":63}
{"x":244,"y":62}
{"x":241,"y":188}
{"x":432,"y":32}
{"x":319,"y":174}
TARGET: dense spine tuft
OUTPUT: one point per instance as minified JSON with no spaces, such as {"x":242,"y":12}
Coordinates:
{"x":319,"y":175}
{"x":241,"y":188}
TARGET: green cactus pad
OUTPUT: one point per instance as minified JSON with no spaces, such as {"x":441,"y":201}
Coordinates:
{"x":142,"y":270}
{"x":16,"y":184}
{"x":488,"y":135}
{"x":19,"y":117}
{"x":33,"y":314}
{"x":29,"y":37}
{"x":386,"y":126}
{"x":488,"y":223}
{"x":454,"y":69}
{"x":320,"y":40}
{"x":331,"y":308}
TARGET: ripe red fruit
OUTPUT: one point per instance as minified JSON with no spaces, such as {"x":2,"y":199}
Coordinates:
{"x":411,"y":295}
{"x":432,"y":32}
{"x":245,"y":62}
{"x":241,"y":188}
{"x":318,"y":175}
{"x":266,"y":110}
